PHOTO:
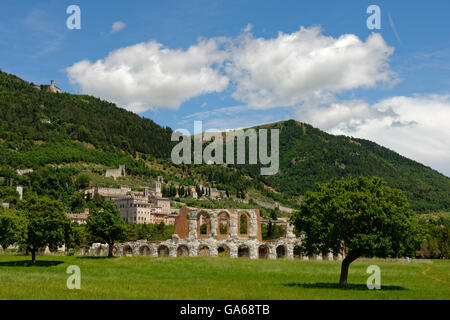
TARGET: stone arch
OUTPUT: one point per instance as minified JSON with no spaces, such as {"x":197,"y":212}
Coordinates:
{"x":223,"y":225}
{"x":127,"y":251}
{"x":263,"y":252}
{"x":281,"y":251}
{"x":243,"y":224}
{"x":144,"y":251}
{"x":243,"y":251}
{"x":203,"y":225}
{"x":182,"y":251}
{"x":114,"y":250}
{"x":203,"y":251}
{"x":223,"y":251}
{"x":163,"y":251}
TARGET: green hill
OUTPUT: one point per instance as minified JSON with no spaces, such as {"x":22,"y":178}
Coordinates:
{"x":29,"y":115}
{"x":55,"y":133}
{"x":309,"y":155}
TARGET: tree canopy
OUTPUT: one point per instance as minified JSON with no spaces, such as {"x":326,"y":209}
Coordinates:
{"x":46,"y":223}
{"x":357,"y":217}
{"x":12,"y":228}
{"x":106,"y":226}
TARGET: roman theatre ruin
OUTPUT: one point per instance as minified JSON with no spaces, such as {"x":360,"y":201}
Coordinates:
{"x":213,"y":232}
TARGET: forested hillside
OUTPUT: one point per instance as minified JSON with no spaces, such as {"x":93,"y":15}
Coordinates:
{"x":29,"y":116}
{"x":309,"y":155}
{"x":45,"y":131}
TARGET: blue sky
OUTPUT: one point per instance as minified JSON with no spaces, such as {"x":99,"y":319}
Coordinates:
{"x":402,"y":100}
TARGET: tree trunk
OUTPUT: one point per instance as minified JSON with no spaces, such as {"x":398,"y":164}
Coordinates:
{"x":110,"y":252}
{"x":33,"y":256}
{"x":344,"y":269}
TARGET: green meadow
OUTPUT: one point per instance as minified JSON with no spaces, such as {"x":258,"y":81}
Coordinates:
{"x":218,"y":278}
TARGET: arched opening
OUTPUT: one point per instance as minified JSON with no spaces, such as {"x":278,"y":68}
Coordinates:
{"x":163,"y":251}
{"x":223,"y":225}
{"x":223,"y":251}
{"x":203,"y":251}
{"x":114,"y":251}
{"x":243,"y":224}
{"x":263,"y":252}
{"x":127,"y":251}
{"x":243,"y":251}
{"x":203,"y":225}
{"x":182,"y":251}
{"x":144,"y":251}
{"x":281,"y":252}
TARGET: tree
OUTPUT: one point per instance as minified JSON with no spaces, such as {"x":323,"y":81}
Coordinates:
{"x":105,"y":225}
{"x":12,"y":228}
{"x":76,"y":236}
{"x":274,"y":213}
{"x":9,"y":195}
{"x":357,"y":217}
{"x":132,"y":234}
{"x":77,"y":203}
{"x":82,"y":181}
{"x":46,"y":224}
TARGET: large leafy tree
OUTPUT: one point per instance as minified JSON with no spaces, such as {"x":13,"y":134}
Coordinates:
{"x":357,"y":217}
{"x":12,"y":228}
{"x":46,"y":224}
{"x":105,"y":225}
{"x":76,"y":236}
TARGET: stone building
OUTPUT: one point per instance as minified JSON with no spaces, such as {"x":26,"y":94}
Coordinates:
{"x":214,"y":232}
{"x":147,"y":206}
{"x":193,"y":192}
{"x":24,"y":171}
{"x":79,"y":218}
{"x":53,"y":88}
{"x":162,"y":203}
{"x":19,"y":190}
{"x":109,"y":193}
{"x":156,"y":188}
{"x":135,"y":209}
{"x":116,"y":173}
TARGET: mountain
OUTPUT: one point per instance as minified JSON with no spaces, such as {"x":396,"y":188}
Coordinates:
{"x":309,"y":155}
{"x":62,"y":135}
{"x":30,"y":114}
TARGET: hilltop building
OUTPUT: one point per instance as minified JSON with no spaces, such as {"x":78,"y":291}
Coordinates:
{"x":50,"y":88}
{"x":53,"y":88}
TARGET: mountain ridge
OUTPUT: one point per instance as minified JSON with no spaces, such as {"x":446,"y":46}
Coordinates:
{"x":39,"y":128}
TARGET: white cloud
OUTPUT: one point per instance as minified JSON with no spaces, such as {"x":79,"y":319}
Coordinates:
{"x":416,"y":127}
{"x":288,"y":70}
{"x":234,"y":117}
{"x":148,"y":76}
{"x":118,"y":26}
{"x":305,"y":66}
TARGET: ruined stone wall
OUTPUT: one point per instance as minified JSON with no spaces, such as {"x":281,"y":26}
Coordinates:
{"x":187,"y":241}
{"x":116,"y":173}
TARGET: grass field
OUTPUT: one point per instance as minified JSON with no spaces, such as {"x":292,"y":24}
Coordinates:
{"x":217,"y":278}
